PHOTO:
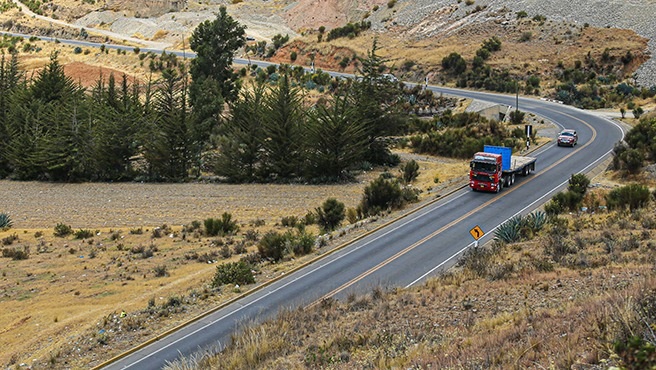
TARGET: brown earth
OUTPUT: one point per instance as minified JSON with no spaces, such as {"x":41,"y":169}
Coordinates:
{"x":78,"y":286}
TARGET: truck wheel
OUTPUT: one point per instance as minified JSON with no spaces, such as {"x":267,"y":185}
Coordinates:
{"x":512,"y":179}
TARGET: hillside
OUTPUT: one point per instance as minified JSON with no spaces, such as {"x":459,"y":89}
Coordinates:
{"x":523,"y":305}
{"x":422,"y":32}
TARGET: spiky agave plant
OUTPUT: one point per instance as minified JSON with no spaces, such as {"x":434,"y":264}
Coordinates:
{"x":5,"y":221}
{"x":509,"y":231}
{"x":536,"y":221}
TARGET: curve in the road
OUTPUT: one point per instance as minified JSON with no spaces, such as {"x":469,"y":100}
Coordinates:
{"x":385,"y":256}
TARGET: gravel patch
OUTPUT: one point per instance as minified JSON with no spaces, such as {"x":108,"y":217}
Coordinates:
{"x":100,"y":205}
{"x":417,"y":18}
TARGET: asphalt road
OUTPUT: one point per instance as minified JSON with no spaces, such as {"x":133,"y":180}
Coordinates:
{"x":410,"y":250}
{"x":405,"y":252}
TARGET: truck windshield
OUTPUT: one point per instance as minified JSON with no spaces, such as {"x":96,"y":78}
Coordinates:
{"x":484,"y":167}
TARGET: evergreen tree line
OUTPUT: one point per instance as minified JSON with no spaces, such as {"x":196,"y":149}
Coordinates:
{"x":53,"y":130}
{"x":273,"y":135}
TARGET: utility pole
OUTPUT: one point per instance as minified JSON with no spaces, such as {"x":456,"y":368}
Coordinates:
{"x":517,"y":97}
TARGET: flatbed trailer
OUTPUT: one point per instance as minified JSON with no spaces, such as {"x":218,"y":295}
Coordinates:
{"x":495,"y":168}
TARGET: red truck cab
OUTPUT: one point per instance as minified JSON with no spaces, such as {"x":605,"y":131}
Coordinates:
{"x":495,"y":168}
{"x":485,"y":172}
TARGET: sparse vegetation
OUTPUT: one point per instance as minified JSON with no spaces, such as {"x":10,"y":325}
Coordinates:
{"x":330,"y":215}
{"x":233,"y":273}
{"x":464,"y":303}
{"x":5,"y":221}
{"x":224,"y":226}
{"x":62,"y":230}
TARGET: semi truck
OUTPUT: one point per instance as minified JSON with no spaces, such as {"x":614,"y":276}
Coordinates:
{"x":495,"y":168}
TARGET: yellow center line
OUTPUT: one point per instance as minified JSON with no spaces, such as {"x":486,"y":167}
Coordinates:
{"x":452,"y":223}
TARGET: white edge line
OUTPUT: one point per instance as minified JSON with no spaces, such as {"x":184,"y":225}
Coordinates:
{"x":412,"y":219}
{"x":518,"y":212}
{"x":419,"y":214}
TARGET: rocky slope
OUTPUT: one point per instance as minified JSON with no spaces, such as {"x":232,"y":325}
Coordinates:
{"x":411,"y":19}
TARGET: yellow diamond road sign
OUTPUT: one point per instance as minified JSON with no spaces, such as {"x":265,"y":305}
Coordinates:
{"x":476,"y":232}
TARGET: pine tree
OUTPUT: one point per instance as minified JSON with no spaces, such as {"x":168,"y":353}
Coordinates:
{"x":242,"y":137}
{"x":283,"y":121}
{"x":35,"y":119}
{"x":166,"y":144}
{"x":10,"y":77}
{"x":337,"y":139}
{"x":117,"y":115}
{"x":375,"y":98}
{"x":204,"y":121}
{"x":215,"y":43}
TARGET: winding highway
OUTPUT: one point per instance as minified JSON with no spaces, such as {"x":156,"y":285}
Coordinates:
{"x":405,"y":252}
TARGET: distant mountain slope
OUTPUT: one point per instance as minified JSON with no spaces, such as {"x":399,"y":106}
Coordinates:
{"x":412,"y":20}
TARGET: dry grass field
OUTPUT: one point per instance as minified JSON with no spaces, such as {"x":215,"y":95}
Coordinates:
{"x":557,"y":300}
{"x":138,"y":258}
{"x":62,"y":305}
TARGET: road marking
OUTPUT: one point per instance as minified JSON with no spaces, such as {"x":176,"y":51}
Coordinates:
{"x":432,"y":235}
{"x":523,"y":209}
{"x":420,"y":213}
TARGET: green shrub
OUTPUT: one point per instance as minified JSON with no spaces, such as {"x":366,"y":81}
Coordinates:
{"x":517,"y":117}
{"x":410,"y":171}
{"x":83,"y":234}
{"x":302,"y":243}
{"x":5,"y":221}
{"x":564,"y":201}
{"x":330,"y":215}
{"x":310,"y":218}
{"x":137,"y":231}
{"x":636,"y":353}
{"x":233,"y":273}
{"x":381,"y":194}
{"x":9,"y":240}
{"x":62,"y":230}
{"x":578,"y":183}
{"x":272,"y":246}
{"x":224,"y":226}
{"x":553,"y":208}
{"x":289,"y":221}
{"x":526,"y":36}
{"x":16,"y":254}
{"x":633,"y":196}
{"x":161,"y":271}
{"x":352,"y":215}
